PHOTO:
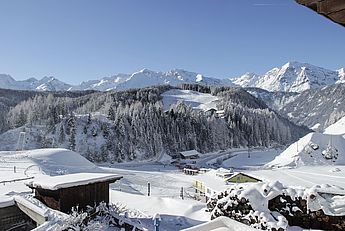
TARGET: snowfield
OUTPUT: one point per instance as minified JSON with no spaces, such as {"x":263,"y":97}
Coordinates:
{"x":167,"y":181}
{"x":304,"y":176}
{"x":131,"y":192}
{"x":256,"y":159}
{"x":194,"y":99}
{"x":175,"y":213}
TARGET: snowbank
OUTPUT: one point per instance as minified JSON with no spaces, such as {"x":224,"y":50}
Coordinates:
{"x":175,"y":213}
{"x":221,"y":224}
{"x":313,"y":149}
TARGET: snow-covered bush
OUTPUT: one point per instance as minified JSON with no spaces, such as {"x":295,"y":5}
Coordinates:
{"x":272,"y":206}
{"x":101,"y":217}
{"x":248,"y":203}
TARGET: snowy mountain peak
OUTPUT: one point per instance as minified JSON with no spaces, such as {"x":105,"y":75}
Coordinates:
{"x":341,"y":74}
{"x":146,"y":71}
{"x":292,"y":77}
{"x":295,"y":64}
{"x":199,"y":78}
{"x":246,"y":80}
{"x":6,"y":80}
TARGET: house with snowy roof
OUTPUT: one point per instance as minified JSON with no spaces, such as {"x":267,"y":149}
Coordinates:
{"x":71,"y":190}
{"x":214,"y":181}
{"x":210,"y":183}
{"x":189,"y":155}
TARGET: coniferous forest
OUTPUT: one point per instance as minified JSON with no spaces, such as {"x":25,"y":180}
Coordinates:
{"x":121,"y":126}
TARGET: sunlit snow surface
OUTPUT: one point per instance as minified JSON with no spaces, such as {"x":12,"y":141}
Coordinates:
{"x":166,"y":181}
{"x":194,"y":99}
{"x":337,"y":128}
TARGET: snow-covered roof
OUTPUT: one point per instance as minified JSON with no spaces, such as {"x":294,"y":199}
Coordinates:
{"x":220,"y":224}
{"x":70,"y":180}
{"x":6,"y":201}
{"x":211,"y":181}
{"x":190,"y":153}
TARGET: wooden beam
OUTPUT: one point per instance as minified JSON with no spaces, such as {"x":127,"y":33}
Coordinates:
{"x":37,"y":217}
{"x":307,"y":2}
{"x":332,"y":9}
{"x":330,"y":6}
{"x":338,"y":17}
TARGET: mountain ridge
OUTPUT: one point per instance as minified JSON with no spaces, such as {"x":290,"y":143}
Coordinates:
{"x":291,"y":77}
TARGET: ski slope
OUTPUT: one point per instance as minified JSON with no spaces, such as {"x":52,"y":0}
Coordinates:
{"x":312,"y":150}
{"x":337,"y":128}
{"x":194,"y":99}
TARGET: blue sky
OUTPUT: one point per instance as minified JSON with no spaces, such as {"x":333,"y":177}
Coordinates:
{"x":81,"y":39}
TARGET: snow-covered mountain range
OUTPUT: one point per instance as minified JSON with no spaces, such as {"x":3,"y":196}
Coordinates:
{"x":44,"y":84}
{"x":291,"y":77}
{"x":146,"y":77}
{"x":143,"y":78}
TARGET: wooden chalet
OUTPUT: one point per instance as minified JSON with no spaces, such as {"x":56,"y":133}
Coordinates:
{"x":67,"y":191}
{"x":332,"y":9}
{"x":189,"y":155}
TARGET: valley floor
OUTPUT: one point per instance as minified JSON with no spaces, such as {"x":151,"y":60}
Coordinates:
{"x":166,"y":181}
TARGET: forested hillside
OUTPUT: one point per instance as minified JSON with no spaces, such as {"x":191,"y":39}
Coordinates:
{"x":127,"y":125}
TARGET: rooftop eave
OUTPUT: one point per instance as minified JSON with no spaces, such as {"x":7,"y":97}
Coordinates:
{"x":332,"y":9}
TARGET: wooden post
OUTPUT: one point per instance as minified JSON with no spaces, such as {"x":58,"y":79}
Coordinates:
{"x":14,"y":169}
{"x":148,"y":189}
{"x":181,"y":193}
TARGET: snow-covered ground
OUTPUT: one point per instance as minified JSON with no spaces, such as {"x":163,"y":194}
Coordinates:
{"x":175,"y":213}
{"x":304,"y":176}
{"x":196,"y":100}
{"x":165,"y":180}
{"x":251,"y":160}
{"x":131,"y":191}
